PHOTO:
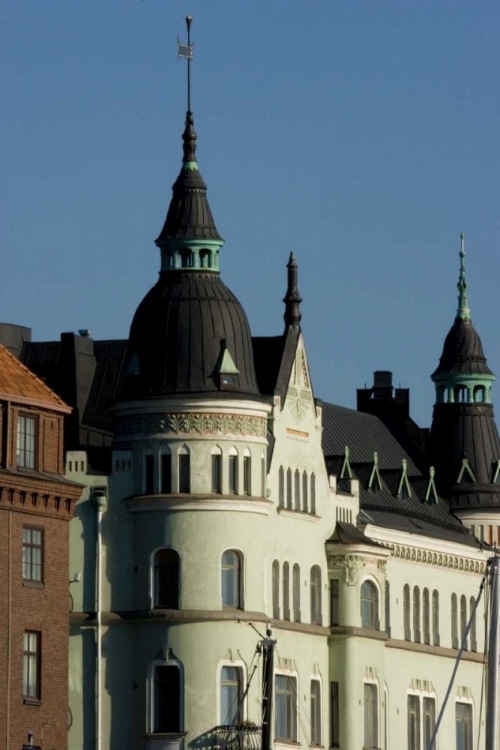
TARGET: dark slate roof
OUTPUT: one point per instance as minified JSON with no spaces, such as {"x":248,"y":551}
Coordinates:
{"x":465,"y":431}
{"x":462,"y":352}
{"x":364,"y":434}
{"x":347,"y":533}
{"x":274,"y":357}
{"x":189,"y":215}
{"x":178,"y":332}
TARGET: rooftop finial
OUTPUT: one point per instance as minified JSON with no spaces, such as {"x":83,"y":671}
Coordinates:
{"x":463,"y":312}
{"x":292,"y":297}
{"x":185,"y":51}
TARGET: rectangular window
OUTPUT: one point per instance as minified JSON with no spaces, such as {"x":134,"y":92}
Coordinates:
{"x":413,"y":722}
{"x":285,"y":698}
{"x":334,"y":601}
{"x":247,"y":475}
{"x":231,"y":693}
{"x":463,"y":723}
{"x":233,"y":475}
{"x":217,"y":473}
{"x":263,"y":477}
{"x":32,"y":554}
{"x":166,"y":473}
{"x":167,"y":699}
{"x":31,"y":665}
{"x":315,"y":712}
{"x":184,"y":472}
{"x":334,"y":715}
{"x":26,"y":441}
{"x":370,"y":694}
{"x":429,"y":715}
{"x":149,"y":475}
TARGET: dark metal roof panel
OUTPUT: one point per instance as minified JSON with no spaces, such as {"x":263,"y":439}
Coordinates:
{"x":462,"y":352}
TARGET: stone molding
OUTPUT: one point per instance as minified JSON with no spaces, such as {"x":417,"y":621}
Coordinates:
{"x":441,"y":560}
{"x":351,"y":564}
{"x":184,"y":423}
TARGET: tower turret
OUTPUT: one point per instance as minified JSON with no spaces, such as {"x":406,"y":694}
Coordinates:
{"x":464,"y":445}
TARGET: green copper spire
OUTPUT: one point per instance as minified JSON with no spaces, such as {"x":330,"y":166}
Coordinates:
{"x":463,"y":312}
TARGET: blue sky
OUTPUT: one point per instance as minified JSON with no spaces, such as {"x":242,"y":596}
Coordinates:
{"x":361,"y":135}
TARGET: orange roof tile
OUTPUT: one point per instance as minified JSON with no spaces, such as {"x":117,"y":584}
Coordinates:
{"x":19,"y":384}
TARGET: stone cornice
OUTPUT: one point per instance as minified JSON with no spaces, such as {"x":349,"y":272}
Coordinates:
{"x":236,"y":503}
{"x":179,"y":616}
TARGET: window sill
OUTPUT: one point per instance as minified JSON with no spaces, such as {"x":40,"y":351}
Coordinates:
{"x":165,"y":734}
{"x":33,"y":584}
{"x":32,"y":702}
{"x":292,"y":743}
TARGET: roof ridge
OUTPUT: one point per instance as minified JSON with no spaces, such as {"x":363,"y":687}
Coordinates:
{"x":33,"y":376}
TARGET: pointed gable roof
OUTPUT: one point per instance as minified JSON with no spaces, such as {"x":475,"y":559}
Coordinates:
{"x":19,"y":384}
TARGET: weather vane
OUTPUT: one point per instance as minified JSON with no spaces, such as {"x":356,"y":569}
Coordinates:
{"x":186,"y":51}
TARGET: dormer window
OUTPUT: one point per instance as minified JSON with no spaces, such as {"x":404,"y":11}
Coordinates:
{"x":225,"y":371}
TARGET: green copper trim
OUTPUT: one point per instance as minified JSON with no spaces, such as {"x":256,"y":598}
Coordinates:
{"x":375,"y":482}
{"x":190,"y":255}
{"x":466,"y":469}
{"x":345,"y":472}
{"x":227,"y":366}
{"x":190,"y":165}
{"x":404,"y":489}
{"x":463,"y":311}
{"x":431,"y":495}
{"x":496,"y":472}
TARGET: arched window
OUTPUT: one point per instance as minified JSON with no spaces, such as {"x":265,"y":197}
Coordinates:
{"x":167,"y":699}
{"x":305,"y":501}
{"x":388,"y":608}
{"x":316,"y":713}
{"x":276,"y":589}
{"x":416,"y":614}
{"x":406,"y":612}
{"x":435,"y":618}
{"x":460,"y":393}
{"x":296,"y":593}
{"x":263,"y":475}
{"x":454,"y":621}
{"x":166,"y":472}
{"x":313,"y":493}
{"x":473,"y":628}
{"x":247,"y":472}
{"x":286,"y":591}
{"x":297,"y":489}
{"x":463,"y":619}
{"x":184,"y":470}
{"x":316,"y":615}
{"x":427,"y":616}
{"x":231,"y":579}
{"x":231,"y":696}
{"x":216,"y":470}
{"x":289,"y":489}
{"x":281,"y":490}
{"x":369,"y":605}
{"x":233,"y":471}
{"x":479,"y":394}
{"x":166,"y":579}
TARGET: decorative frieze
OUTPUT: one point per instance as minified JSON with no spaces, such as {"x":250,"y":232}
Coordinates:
{"x":440,"y":559}
{"x":351,"y":564}
{"x":190,"y":422}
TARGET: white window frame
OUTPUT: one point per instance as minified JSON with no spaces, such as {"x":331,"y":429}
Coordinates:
{"x":243,"y":568}
{"x":317,"y":678}
{"x":239,"y":664}
{"x":421,"y":694}
{"x":150,"y":691}
{"x":376,"y":583}
{"x":368,"y":681}
{"x":460,"y":699}
{"x":295,"y":676}
{"x":234,"y":453}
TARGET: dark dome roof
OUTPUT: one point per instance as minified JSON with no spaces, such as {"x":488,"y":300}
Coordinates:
{"x":177,"y":336}
{"x":462,"y":352}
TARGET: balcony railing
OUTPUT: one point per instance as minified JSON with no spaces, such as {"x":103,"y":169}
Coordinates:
{"x":241,"y":737}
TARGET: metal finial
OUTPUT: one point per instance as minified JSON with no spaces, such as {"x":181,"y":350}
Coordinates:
{"x":186,"y":52}
{"x":292,"y":297}
{"x":463,"y":311}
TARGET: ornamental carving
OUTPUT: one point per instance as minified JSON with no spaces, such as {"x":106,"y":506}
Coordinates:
{"x":432,"y":558}
{"x":351,"y":564}
{"x":189,"y":422}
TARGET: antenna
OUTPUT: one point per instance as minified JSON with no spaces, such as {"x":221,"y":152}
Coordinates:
{"x":186,"y":52}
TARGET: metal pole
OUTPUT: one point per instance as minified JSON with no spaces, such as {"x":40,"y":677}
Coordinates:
{"x":493,"y":654}
{"x":267,"y":690}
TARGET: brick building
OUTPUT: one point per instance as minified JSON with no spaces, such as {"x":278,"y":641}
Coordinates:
{"x":36,"y":504}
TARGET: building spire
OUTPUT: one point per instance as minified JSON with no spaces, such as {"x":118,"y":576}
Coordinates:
{"x":463,"y":312}
{"x":185,"y":51}
{"x":292,"y":297}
